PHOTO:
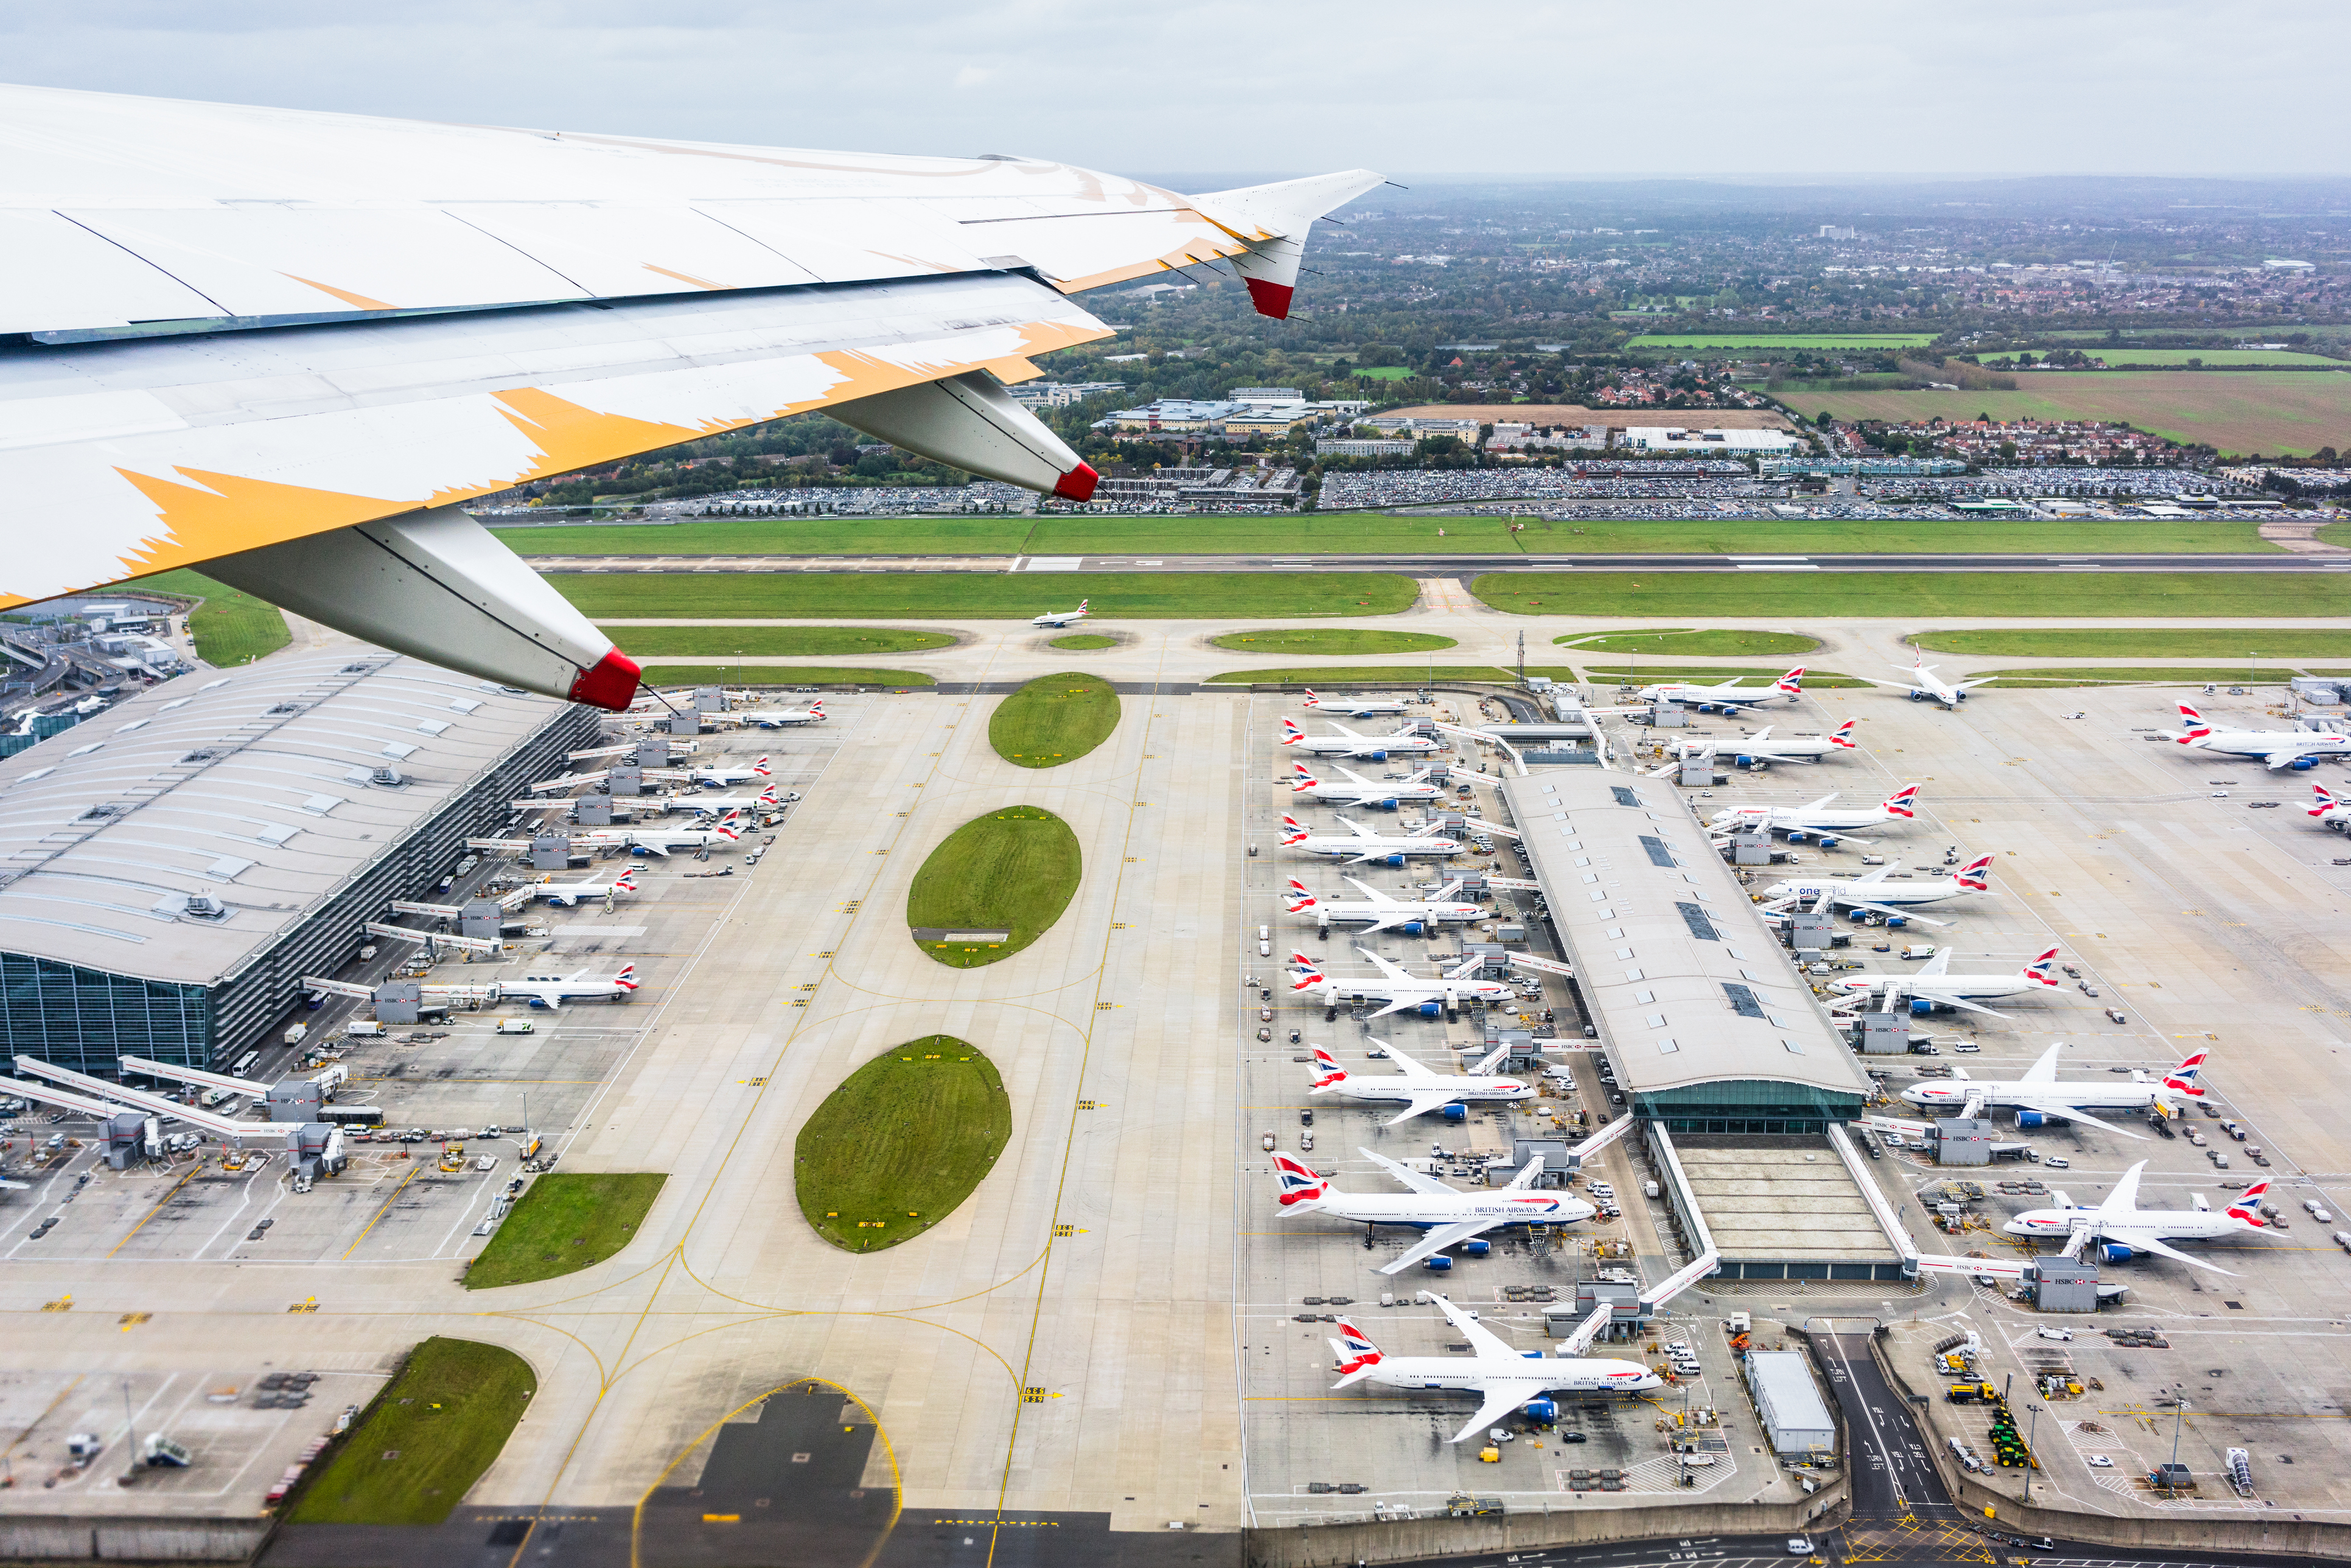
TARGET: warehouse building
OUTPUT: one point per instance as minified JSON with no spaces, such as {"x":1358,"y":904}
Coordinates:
{"x":170,"y":869}
{"x":1715,"y":1041}
{"x":1796,"y":1420}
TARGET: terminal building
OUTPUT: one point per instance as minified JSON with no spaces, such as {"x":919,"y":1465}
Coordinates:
{"x":1743,"y":1084}
{"x":170,"y":869}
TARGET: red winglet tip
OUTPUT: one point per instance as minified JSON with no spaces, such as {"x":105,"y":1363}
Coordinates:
{"x":1077,"y":483}
{"x":1270,"y":299}
{"x":611,"y":684}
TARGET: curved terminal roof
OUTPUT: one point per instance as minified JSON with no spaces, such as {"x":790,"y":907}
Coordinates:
{"x":256,"y":787}
{"x":1684,"y":984}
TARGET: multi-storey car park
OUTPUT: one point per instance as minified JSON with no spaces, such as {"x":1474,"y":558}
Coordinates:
{"x":169,"y":880}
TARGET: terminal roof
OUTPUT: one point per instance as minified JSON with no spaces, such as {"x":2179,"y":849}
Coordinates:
{"x":1685,"y":985}
{"x":256,"y":787}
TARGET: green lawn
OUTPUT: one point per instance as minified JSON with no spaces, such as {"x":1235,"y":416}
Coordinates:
{"x":1053,"y":719}
{"x":1385,"y":372}
{"x":1759,"y":343}
{"x":2148,"y":674}
{"x":425,"y":1440}
{"x":776,"y":642}
{"x":230,"y":627}
{"x":989,"y":596}
{"x":2145,"y":643}
{"x":1335,"y":640}
{"x":1283,"y":537}
{"x":1753,"y":674}
{"x":1082,"y":643}
{"x":1013,"y":870}
{"x":1401,"y":676}
{"x":1773,"y":536}
{"x":666,"y":675}
{"x":2164,"y":359}
{"x":1694,"y":644}
{"x":1904,"y":594}
{"x":566,"y":1221}
{"x":901,"y":1141}
{"x":992,"y":534}
{"x":2336,"y":534}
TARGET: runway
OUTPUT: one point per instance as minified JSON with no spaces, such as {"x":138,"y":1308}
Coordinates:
{"x":1449,"y":566}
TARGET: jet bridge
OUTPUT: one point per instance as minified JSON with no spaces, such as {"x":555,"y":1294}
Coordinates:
{"x":152,"y":1105}
{"x":410,"y":934}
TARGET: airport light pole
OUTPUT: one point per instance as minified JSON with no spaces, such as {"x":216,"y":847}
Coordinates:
{"x":2178,"y":1408}
{"x":2032,"y":1453}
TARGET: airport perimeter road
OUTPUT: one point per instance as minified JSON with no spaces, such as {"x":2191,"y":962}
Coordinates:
{"x":1438,"y":565}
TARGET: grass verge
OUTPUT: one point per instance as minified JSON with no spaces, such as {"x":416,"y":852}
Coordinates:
{"x":1338,"y":640}
{"x":778,"y":642}
{"x":1388,"y":674}
{"x":2336,"y":534}
{"x":1012,"y":871}
{"x":567,"y":1221}
{"x":1082,"y":643}
{"x":231,"y":626}
{"x":1643,"y":675}
{"x":987,"y":596}
{"x":1694,"y":644}
{"x":425,"y":1440}
{"x":1903,"y":594}
{"x":988,"y":535}
{"x":2148,"y":675}
{"x":1053,"y":719}
{"x":2145,"y":643}
{"x":665,"y":674}
{"x":903,"y":1141}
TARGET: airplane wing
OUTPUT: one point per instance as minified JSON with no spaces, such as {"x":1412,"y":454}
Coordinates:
{"x":1407,"y":1065}
{"x":1356,"y":828}
{"x":1500,"y":1399}
{"x":661,"y":850}
{"x":1967,"y":1007}
{"x":1371,"y":894}
{"x":1760,"y":733}
{"x":2125,"y":1198}
{"x":2140,"y":1242}
{"x":2288,"y":755}
{"x":2070,"y":1114}
{"x":1876,"y":873}
{"x":1419,"y":1181}
{"x":1898,"y":685}
{"x":1969,"y":685}
{"x":1392,"y":971}
{"x":1421,"y":1104}
{"x":456,"y":309}
{"x":1888,"y":909}
{"x":1940,"y":964}
{"x":1435,"y":1241}
{"x":1487,"y":1345}
{"x":1821,"y":803}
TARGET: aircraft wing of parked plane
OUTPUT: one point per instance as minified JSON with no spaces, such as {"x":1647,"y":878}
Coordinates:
{"x":454,"y":309}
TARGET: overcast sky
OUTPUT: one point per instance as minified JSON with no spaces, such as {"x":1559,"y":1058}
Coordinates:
{"x":1741,"y":87}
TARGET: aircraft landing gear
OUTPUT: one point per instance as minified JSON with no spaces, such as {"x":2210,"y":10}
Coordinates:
{"x":1330,"y":1015}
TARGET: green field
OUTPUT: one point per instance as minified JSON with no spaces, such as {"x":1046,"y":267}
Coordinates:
{"x":1796,"y":594}
{"x":1406,"y":675}
{"x":666,"y":675}
{"x":2145,"y":676}
{"x":230,"y":627}
{"x":425,"y":1440}
{"x":1053,"y":719}
{"x":1752,"y":675}
{"x":775,"y":642}
{"x":1764,"y":343}
{"x":903,"y":1141}
{"x":1082,"y":643}
{"x":2336,"y":534}
{"x":2119,"y":358}
{"x":565,"y":1222}
{"x":989,"y":596}
{"x":1385,"y":372}
{"x":1284,"y":537}
{"x":1013,"y":870}
{"x":2150,"y":643}
{"x":992,"y":534}
{"x":1336,"y":640}
{"x":2281,"y":413}
{"x":1693,"y":644}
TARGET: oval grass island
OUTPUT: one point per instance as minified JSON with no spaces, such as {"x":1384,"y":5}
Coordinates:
{"x":1053,"y":719}
{"x":993,"y":887}
{"x":903,"y":1141}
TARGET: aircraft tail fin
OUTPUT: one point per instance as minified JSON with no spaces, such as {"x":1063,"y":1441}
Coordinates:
{"x":627,"y":979}
{"x":760,"y":770}
{"x":1843,"y":735}
{"x":2192,"y":724}
{"x":2326,"y":802}
{"x":626,"y":882}
{"x":1299,"y":1184}
{"x":1301,"y":900}
{"x":1291,"y":734}
{"x":1792,"y":682}
{"x":1305,"y":780}
{"x":1328,"y":1073}
{"x":1293,"y":832}
{"x":1900,"y":803}
{"x":2184,"y":1078}
{"x":2248,"y":1206}
{"x":1357,"y":1355}
{"x":1976,"y":875}
{"x":2038,"y":970}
